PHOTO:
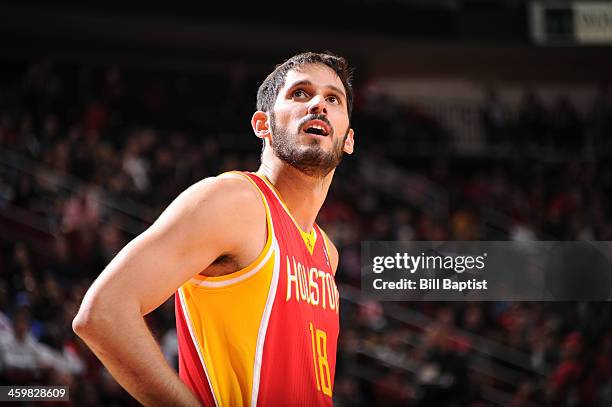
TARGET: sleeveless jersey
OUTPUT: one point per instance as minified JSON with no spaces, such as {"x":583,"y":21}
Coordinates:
{"x":267,"y":334}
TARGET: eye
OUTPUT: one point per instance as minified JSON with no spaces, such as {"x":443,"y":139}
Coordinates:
{"x":333,"y":99}
{"x":299,"y":93}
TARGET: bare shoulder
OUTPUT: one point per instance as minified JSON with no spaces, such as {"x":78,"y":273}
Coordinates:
{"x":229,"y":189}
{"x":220,"y":213}
{"x":230,"y":208}
{"x":234,"y":198}
{"x":229,"y":197}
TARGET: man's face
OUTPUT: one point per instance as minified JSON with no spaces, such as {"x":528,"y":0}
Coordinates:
{"x":309,"y":123}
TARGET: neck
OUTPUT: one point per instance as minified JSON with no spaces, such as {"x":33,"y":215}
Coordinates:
{"x":304,"y":195}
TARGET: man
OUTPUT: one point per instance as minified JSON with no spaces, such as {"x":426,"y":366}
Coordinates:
{"x":256,"y":301}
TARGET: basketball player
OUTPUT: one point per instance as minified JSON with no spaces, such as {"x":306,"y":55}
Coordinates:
{"x":256,"y":301}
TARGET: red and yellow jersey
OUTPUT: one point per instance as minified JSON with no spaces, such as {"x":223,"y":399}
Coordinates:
{"x":267,"y":334}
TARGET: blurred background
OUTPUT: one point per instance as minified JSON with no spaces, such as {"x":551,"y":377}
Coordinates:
{"x":474,"y":120}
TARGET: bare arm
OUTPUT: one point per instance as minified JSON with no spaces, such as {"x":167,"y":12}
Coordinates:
{"x":191,"y":233}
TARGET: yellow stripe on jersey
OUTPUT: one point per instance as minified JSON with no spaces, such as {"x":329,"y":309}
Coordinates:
{"x":225,"y":314}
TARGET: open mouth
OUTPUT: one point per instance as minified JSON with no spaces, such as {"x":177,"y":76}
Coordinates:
{"x":317,"y":127}
{"x":316,"y":130}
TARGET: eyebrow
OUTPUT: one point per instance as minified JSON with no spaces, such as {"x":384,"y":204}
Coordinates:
{"x":306,"y":82}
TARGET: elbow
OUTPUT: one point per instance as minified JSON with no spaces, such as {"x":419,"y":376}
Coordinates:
{"x":83,"y":322}
{"x":90,"y":318}
{"x":98,"y":314}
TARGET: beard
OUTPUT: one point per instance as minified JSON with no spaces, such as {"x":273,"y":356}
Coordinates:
{"x":310,"y":159}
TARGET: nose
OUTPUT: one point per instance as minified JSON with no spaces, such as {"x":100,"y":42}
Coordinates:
{"x":317,"y":105}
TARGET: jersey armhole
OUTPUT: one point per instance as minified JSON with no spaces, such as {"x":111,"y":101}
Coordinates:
{"x":250,"y":270}
{"x":327,"y":243}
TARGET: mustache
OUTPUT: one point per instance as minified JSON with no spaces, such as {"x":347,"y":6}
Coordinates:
{"x":310,"y":117}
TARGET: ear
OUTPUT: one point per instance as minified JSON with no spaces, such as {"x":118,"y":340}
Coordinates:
{"x":349,"y":143}
{"x":260,"y":124}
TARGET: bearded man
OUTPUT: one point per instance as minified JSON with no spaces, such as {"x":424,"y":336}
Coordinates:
{"x":257,"y":307}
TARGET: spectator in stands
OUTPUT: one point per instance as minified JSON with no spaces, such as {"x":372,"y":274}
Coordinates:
{"x":532,"y":130}
{"x":566,"y":127}
{"x":495,"y":119}
{"x":20,"y":351}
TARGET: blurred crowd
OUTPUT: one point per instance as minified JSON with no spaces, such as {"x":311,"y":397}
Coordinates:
{"x":540,"y":128}
{"x":91,"y":155}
